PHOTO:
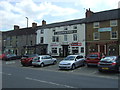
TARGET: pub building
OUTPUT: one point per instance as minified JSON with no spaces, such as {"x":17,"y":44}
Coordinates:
{"x":63,"y":38}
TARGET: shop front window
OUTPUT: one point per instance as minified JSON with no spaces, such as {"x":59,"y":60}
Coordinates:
{"x":82,"y":49}
{"x":54,"y":50}
{"x":75,"y":50}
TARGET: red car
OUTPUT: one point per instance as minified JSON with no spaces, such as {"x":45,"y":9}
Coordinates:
{"x":3,"y":57}
{"x":26,"y":60}
{"x":93,"y":58}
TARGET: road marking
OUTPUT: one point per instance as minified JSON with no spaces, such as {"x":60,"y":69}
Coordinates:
{"x":10,"y":62}
{"x":73,"y":72}
{"x":50,"y":82}
{"x":9,"y":74}
{"x":5,"y":73}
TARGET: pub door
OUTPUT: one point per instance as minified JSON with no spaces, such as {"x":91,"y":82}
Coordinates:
{"x":65,"y":50}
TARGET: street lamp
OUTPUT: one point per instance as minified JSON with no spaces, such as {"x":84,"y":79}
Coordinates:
{"x":27,"y":21}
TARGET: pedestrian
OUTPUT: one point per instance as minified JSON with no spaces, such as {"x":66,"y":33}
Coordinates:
{"x":103,"y":55}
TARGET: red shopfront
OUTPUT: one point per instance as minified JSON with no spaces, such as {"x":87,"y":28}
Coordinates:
{"x":106,"y":47}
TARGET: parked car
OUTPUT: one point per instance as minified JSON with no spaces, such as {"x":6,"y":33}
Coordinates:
{"x":43,"y":60}
{"x":26,"y":60}
{"x":10,"y":57}
{"x":109,"y":63}
{"x":93,"y":58}
{"x":3,"y":57}
{"x":72,"y":61}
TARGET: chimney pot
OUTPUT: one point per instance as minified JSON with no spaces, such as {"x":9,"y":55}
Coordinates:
{"x":43,"y":22}
{"x":16,"y":27}
{"x":34,"y":25}
{"x":88,"y":13}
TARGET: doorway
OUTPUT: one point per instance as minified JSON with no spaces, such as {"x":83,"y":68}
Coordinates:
{"x":102,"y":49}
{"x":65,"y":50}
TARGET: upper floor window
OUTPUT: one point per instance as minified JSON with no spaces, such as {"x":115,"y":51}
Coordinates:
{"x":113,"y":23}
{"x":96,"y":35}
{"x":74,"y":37}
{"x":74,"y":27}
{"x":31,"y":43}
{"x":65,"y":28}
{"x":42,"y":31}
{"x":55,"y":39}
{"x":65,"y":37}
{"x":41,"y":40}
{"x":114,"y":35}
{"x":96,"y":25}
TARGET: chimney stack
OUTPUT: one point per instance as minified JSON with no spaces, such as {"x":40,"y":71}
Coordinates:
{"x":16,"y":27}
{"x":43,"y":22}
{"x":88,"y":13}
{"x":34,"y":25}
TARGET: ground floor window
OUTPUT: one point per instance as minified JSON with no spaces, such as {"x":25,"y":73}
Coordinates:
{"x":82,"y":49}
{"x":75,"y":50}
{"x":54,"y":50}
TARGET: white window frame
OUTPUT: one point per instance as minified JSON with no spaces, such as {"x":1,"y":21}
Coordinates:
{"x":65,"y":28}
{"x":113,"y":23}
{"x":116,"y":34}
{"x":55,"y":39}
{"x":65,"y":38}
{"x":96,"y":25}
{"x":75,"y":27}
{"x":75,"y":37}
{"x":97,"y":35}
{"x":42,"y":31}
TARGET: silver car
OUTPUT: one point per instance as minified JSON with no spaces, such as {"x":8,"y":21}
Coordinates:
{"x":72,"y":61}
{"x":43,"y":60}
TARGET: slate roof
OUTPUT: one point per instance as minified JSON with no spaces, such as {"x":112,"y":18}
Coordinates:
{"x":65,"y":23}
{"x":104,"y":15}
{"x":22,"y":31}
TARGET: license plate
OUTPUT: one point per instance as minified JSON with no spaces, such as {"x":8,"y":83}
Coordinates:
{"x":92,"y":59}
{"x":105,"y":68}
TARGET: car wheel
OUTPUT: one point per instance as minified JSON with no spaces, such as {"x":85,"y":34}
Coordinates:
{"x":117,"y":69}
{"x":23,"y":65}
{"x":100,"y":70}
{"x":30,"y":63}
{"x":84,"y":64}
{"x":73,"y":67}
{"x":88,"y":65}
{"x":42,"y":65}
{"x":54,"y":62}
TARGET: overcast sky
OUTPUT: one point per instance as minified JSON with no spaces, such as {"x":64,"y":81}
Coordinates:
{"x":13,"y":12}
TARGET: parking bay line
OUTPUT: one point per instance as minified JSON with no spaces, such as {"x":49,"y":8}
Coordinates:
{"x":49,"y":82}
{"x":71,"y":72}
{"x":10,"y":62}
{"x":5,"y":73}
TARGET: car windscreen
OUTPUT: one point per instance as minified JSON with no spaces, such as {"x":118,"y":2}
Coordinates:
{"x":70,"y":58}
{"x":29,"y":56}
{"x":36,"y":58}
{"x":93,"y":56}
{"x":112,"y":58}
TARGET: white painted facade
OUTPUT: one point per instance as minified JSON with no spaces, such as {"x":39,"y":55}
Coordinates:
{"x":55,"y":48}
